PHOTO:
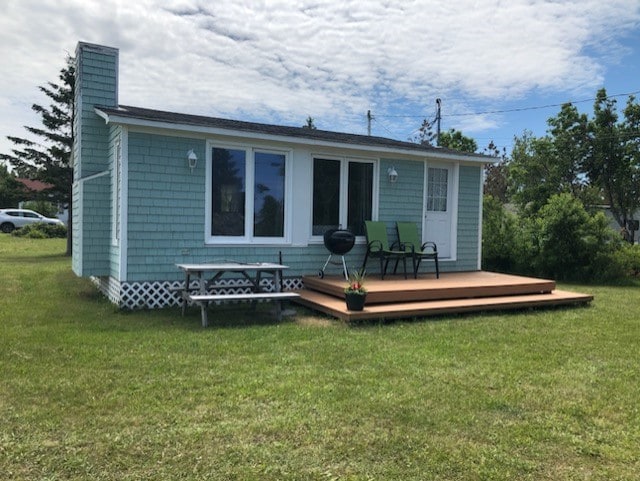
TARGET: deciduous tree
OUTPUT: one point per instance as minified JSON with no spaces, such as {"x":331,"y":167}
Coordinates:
{"x":495,"y":178}
{"x":454,"y":139}
{"x":613,"y":159}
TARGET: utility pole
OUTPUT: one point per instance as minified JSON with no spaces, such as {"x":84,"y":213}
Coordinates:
{"x":438,"y":104}
{"x":369,"y":118}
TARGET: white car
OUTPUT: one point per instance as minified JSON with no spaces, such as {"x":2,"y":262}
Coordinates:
{"x":11,"y":219}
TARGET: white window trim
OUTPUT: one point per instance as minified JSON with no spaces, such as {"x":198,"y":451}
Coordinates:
{"x":124,"y":204}
{"x":116,"y":200}
{"x":248,"y":238}
{"x":344,"y":197}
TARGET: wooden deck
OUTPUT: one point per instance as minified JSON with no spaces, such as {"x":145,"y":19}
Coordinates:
{"x":396,"y":297}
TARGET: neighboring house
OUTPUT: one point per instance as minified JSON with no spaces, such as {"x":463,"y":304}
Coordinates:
{"x":34,"y":186}
{"x":613,"y":223}
{"x":38,"y":189}
{"x":155,"y":188}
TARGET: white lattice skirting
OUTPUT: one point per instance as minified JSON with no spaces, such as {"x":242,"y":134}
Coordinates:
{"x":158,"y":294}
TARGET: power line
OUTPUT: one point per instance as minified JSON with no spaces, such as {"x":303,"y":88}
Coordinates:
{"x":377,"y":121}
{"x":521,"y":109}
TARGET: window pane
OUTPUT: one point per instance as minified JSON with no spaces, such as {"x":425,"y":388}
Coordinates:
{"x":228,"y":192}
{"x":360,"y":196}
{"x":437,"y":186}
{"x":326,"y":195}
{"x":269,"y":195}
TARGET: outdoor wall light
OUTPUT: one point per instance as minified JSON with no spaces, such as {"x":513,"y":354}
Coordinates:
{"x":192,"y":159}
{"x":393,"y":174}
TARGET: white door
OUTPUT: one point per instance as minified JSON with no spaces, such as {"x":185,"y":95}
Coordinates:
{"x":438,"y":209}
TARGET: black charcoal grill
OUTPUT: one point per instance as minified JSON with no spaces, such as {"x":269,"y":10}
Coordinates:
{"x":338,"y":242}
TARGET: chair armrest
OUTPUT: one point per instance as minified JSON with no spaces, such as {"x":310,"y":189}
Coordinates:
{"x":431,"y":245}
{"x":374,"y":246}
{"x":403,"y":247}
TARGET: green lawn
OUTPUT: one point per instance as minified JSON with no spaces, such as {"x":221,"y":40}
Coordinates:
{"x":88,"y":392}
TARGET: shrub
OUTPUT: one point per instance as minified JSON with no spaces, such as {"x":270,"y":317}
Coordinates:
{"x":40,"y":230}
{"x":499,"y":237}
{"x":629,"y":259}
{"x":44,"y":207}
{"x":561,"y":241}
{"x":570,"y":244}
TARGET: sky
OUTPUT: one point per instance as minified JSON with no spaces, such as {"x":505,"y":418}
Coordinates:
{"x":500,"y":67}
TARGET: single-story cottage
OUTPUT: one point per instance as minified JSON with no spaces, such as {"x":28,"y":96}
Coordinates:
{"x":153,"y":189}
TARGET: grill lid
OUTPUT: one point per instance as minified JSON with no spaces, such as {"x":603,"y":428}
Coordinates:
{"x":339,"y":241}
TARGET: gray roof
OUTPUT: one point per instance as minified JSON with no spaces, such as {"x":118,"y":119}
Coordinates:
{"x":125,"y":111}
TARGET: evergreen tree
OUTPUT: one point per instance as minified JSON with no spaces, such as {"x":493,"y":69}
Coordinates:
{"x":10,"y":189}
{"x":426,"y":135}
{"x":50,"y":159}
{"x":310,"y":123}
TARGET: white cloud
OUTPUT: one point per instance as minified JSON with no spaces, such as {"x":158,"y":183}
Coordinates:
{"x":283,"y":60}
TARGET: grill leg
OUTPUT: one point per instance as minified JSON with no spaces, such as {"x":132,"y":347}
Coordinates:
{"x":326,"y":263}
{"x":344,"y":268}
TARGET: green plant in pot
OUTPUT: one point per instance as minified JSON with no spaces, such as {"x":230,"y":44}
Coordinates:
{"x":355,"y":293}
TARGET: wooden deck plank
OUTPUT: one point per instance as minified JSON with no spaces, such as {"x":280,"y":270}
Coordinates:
{"x":336,"y":307}
{"x":396,"y":297}
{"x":427,"y":287}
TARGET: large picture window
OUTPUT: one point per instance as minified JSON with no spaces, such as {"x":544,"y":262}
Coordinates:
{"x":342,"y":194}
{"x":268,"y":195}
{"x":247,"y":194}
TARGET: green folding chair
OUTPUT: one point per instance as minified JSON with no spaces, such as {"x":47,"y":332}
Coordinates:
{"x":409,"y":239}
{"x":378,"y":247}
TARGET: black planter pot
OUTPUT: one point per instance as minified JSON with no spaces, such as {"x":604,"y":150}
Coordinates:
{"x":355,"y":301}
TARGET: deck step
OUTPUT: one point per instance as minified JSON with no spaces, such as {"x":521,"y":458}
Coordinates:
{"x":336,"y":307}
{"x":428,"y":288}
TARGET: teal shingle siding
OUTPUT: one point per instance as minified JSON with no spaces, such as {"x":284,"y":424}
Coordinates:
{"x":468,"y":217}
{"x":92,"y":257}
{"x":401,"y":201}
{"x":166,"y":212}
{"x":166,"y":204}
{"x":96,"y":84}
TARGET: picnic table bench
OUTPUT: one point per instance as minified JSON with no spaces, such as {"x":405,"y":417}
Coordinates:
{"x":250,"y":271}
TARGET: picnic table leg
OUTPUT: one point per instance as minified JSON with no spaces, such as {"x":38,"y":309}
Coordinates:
{"x":278,"y":288}
{"x":205,"y":319}
{"x":203,"y":305}
{"x":257,"y":288}
{"x":185,"y":291}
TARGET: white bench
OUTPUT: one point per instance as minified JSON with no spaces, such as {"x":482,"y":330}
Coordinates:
{"x":204,"y":299}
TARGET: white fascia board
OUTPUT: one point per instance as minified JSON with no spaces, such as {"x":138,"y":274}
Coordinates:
{"x":199,"y":129}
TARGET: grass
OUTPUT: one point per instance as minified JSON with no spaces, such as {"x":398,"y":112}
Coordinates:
{"x":89,"y":392}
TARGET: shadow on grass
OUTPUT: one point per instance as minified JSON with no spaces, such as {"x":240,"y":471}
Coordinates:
{"x":231,"y":316}
{"x":467,"y":316}
{"x":236,"y":316}
{"x":35,"y":259}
